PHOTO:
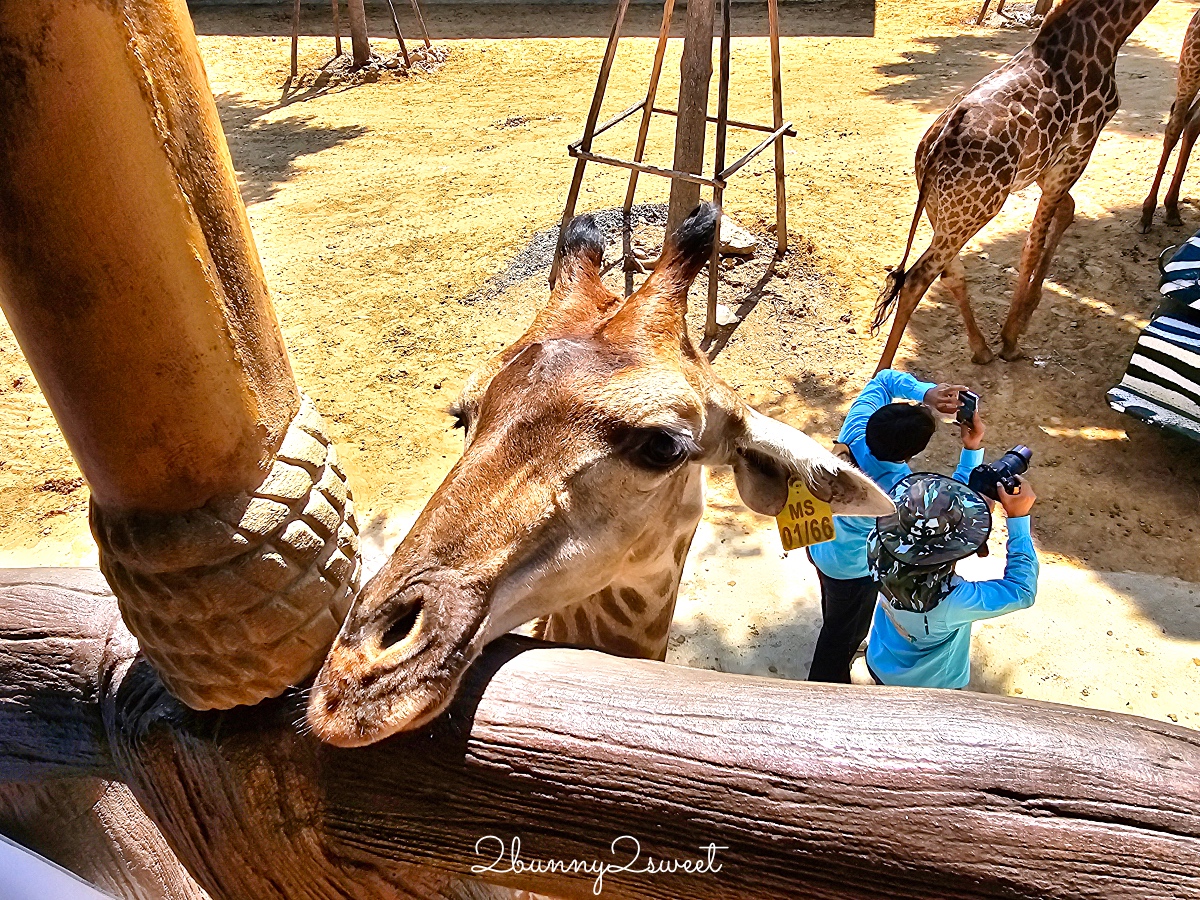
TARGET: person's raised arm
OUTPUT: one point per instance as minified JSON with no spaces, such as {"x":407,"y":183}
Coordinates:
{"x":886,"y":387}
{"x":972,"y":451}
{"x":971,"y":601}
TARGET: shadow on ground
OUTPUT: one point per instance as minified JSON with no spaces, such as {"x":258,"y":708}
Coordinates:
{"x":265,"y":150}
{"x":458,"y":21}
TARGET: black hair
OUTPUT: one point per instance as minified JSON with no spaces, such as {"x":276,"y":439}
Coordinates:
{"x":693,"y":239}
{"x":899,"y":431}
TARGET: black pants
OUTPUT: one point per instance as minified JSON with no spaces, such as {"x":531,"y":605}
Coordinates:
{"x":846,"y":609}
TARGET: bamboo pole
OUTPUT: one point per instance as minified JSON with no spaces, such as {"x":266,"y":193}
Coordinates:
{"x":399,"y":35}
{"x":130,"y":278}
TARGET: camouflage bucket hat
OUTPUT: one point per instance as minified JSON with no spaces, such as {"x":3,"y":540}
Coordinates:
{"x":937,"y":520}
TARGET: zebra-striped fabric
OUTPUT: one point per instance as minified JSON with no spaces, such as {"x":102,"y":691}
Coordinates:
{"x":1162,"y":382}
{"x":1181,"y":276}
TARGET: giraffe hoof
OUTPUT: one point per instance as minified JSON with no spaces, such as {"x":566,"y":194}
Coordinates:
{"x":1011,"y":354}
{"x":1144,"y":226}
{"x":1173,"y":218}
{"x":983,"y":357}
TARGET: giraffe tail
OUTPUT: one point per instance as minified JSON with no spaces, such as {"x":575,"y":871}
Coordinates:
{"x":896,"y":277}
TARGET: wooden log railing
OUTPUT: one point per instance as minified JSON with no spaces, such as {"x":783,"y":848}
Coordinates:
{"x":806,"y":790}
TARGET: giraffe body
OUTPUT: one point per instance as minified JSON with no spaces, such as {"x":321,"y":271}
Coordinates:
{"x":1184,"y":122}
{"x":1035,"y":119}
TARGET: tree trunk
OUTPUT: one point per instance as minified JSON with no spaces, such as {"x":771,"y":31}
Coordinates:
{"x":360,"y":43}
{"x":695,"y":73}
{"x":809,"y":791}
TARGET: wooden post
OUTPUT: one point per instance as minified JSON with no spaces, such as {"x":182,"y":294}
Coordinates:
{"x":296,"y":38}
{"x":337,"y":28}
{"x":360,"y":41}
{"x":781,"y":229}
{"x":399,"y":34}
{"x":714,"y":264}
{"x":811,"y":791}
{"x":130,"y":278}
{"x":695,"y":73}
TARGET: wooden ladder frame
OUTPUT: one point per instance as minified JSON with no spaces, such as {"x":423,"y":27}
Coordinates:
{"x":582,"y":151}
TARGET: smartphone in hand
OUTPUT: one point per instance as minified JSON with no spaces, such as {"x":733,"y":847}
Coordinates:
{"x":968,"y":403}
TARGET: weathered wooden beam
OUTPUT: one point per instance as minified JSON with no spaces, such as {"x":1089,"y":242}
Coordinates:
{"x":809,"y":791}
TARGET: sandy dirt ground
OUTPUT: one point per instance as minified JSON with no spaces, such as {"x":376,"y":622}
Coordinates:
{"x":389,"y":214}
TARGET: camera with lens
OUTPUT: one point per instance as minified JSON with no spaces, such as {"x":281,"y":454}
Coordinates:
{"x":986,"y":478}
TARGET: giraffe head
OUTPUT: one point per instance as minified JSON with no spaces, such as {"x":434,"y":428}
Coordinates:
{"x":577,"y":438}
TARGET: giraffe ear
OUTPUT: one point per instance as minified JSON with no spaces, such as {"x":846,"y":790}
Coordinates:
{"x":768,"y":452}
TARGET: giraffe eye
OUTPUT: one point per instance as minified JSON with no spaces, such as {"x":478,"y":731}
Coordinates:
{"x":657,"y":448}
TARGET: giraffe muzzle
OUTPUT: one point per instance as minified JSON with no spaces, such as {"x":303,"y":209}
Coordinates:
{"x":399,"y":658}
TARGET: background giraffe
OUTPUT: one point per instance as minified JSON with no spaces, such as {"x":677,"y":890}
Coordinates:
{"x":1036,"y":118}
{"x":1185,"y":120}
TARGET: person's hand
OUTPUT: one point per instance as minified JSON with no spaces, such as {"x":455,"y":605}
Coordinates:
{"x":944,"y":398}
{"x":1020,"y":501}
{"x":972,"y":433}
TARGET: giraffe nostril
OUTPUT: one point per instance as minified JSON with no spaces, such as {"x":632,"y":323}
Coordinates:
{"x":402,"y":627}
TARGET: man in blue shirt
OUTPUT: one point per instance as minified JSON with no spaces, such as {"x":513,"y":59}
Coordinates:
{"x":921,"y":633}
{"x":879,"y":437}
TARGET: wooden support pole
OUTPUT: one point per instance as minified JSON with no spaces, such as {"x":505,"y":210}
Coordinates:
{"x":829,"y":792}
{"x":589,"y":130}
{"x":714,"y":264}
{"x":781,"y":228}
{"x":421,"y":22}
{"x":337,"y":28}
{"x":695,"y":73}
{"x":660,"y":52}
{"x":130,"y":278}
{"x":296,"y":38}
{"x":399,"y":35}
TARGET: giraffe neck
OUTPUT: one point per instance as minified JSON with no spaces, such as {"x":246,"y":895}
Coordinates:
{"x":631,"y":616}
{"x":1102,"y":26}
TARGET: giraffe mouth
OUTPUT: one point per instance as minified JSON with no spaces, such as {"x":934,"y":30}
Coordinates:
{"x":399,"y":659}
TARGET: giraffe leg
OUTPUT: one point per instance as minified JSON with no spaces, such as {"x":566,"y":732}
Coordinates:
{"x":1171,"y":201}
{"x":1179,"y":114}
{"x":1054,"y":215}
{"x":954,"y":276}
{"x":916,"y":282}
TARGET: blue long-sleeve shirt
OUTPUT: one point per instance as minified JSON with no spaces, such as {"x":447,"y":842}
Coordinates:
{"x":845,"y":557}
{"x":933,"y":649}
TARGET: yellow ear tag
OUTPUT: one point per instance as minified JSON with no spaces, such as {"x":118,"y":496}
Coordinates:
{"x":804,"y":519}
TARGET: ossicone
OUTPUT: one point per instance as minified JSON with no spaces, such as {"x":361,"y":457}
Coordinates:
{"x":691,"y":245}
{"x":584,"y":240}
